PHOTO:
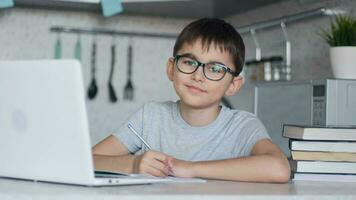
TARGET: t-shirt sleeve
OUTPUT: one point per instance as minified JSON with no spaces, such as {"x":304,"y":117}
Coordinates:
{"x":126,"y":137}
{"x":255,"y":131}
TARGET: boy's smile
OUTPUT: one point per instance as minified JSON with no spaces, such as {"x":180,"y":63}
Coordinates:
{"x":195,"y":89}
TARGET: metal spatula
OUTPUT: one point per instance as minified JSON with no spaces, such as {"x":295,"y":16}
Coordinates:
{"x":112,"y":94}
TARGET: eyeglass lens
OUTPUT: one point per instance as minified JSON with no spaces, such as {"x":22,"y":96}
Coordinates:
{"x":212,"y":71}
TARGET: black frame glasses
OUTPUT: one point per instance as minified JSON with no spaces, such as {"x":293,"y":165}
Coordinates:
{"x":196,"y":64}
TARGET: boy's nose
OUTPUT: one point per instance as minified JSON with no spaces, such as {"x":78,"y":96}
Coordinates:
{"x":198,"y":75}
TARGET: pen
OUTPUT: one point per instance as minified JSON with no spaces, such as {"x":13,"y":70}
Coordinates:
{"x":139,"y":137}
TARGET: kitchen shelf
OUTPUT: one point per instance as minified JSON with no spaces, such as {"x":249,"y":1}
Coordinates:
{"x":289,"y":19}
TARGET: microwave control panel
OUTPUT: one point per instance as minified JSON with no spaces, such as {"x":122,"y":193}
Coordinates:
{"x":319,"y":105}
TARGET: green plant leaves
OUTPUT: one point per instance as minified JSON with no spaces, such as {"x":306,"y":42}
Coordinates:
{"x":342,"y":32}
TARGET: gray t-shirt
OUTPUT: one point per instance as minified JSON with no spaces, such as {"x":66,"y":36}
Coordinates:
{"x":231,"y":135}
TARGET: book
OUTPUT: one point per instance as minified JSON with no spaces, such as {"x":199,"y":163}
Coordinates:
{"x":336,"y":133}
{"x":323,"y":156}
{"x":323,"y":167}
{"x":327,"y":146}
{"x":324,"y":177}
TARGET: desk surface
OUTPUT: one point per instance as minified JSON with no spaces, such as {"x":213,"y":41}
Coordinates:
{"x":18,"y":189}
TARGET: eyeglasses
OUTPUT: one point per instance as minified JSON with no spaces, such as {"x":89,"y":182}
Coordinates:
{"x":212,"y":71}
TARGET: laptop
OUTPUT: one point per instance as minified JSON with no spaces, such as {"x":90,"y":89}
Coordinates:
{"x":44,"y":132}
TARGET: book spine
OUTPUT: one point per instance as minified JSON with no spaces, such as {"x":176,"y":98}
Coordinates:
{"x":323,"y":167}
{"x":322,"y":146}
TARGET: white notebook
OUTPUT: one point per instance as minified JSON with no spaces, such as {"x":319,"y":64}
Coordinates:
{"x":168,"y":179}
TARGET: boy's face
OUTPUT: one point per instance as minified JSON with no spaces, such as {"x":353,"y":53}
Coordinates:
{"x":195,"y":90}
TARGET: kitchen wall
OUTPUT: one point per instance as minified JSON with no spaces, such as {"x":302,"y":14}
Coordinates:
{"x":24,"y":34}
{"x":310,"y":53}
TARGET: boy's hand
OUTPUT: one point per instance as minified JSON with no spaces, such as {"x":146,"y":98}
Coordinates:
{"x":180,"y":168}
{"x":153,"y":163}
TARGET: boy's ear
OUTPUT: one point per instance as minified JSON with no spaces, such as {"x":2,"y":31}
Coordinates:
{"x":170,"y":69}
{"x":235,"y":85}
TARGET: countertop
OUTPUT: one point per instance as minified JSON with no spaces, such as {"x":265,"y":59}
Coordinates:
{"x":18,"y":189}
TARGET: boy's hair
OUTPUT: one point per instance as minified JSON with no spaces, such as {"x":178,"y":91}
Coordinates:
{"x":217,"y":32}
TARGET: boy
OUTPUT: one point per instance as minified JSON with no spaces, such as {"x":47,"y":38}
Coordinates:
{"x":196,"y":136}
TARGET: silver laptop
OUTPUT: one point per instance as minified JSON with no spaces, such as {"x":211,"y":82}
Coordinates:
{"x":44,"y":134}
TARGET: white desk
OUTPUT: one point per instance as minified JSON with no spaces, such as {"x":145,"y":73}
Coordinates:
{"x":23,"y":190}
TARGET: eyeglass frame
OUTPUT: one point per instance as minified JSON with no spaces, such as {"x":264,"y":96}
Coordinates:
{"x":226,"y":68}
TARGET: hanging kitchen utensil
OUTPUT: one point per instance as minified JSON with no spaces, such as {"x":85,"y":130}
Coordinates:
{"x":129,"y":89}
{"x":288,"y":69}
{"x":112,"y":94}
{"x":78,"y":49}
{"x":93,"y":88}
{"x":256,"y":66}
{"x":58,"y":48}
{"x":257,"y":44}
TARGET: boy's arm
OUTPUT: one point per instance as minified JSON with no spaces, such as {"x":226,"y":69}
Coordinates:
{"x":267,"y":163}
{"x":111,"y":155}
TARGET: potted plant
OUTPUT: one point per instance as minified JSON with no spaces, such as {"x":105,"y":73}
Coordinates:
{"x":342,"y":41}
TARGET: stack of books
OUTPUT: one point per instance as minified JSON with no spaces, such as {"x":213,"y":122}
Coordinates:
{"x":322,"y":153}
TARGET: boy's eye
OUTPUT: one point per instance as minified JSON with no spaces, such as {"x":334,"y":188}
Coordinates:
{"x":215,"y":68}
{"x":190,"y":62}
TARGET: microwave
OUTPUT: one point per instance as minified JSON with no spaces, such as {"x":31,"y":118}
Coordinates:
{"x":328,"y":102}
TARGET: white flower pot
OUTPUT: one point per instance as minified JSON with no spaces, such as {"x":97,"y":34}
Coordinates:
{"x":343,"y":62}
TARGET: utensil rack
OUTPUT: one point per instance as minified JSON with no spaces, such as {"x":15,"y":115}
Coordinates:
{"x":289,"y":19}
{"x":111,"y":32}
{"x":242,"y":29}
